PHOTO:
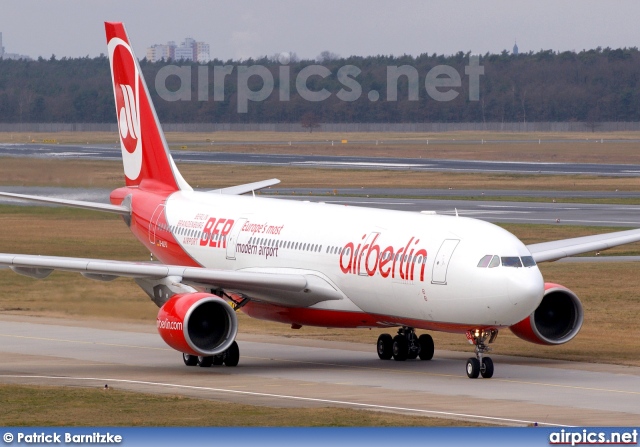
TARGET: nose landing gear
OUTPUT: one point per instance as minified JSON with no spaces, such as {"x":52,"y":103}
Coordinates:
{"x":481,"y":365}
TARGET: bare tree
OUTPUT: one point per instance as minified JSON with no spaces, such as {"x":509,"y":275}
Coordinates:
{"x":309,"y":121}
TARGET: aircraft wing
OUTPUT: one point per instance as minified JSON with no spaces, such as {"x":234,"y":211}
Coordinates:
{"x":118,"y":209}
{"x":554,"y":250}
{"x":247,"y":187}
{"x":298,"y":290}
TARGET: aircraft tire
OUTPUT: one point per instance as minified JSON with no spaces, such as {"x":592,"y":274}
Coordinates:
{"x":426,"y":347}
{"x":400,"y":348}
{"x":232,"y":355}
{"x":487,"y":368}
{"x":190,"y":360}
{"x":473,"y":368}
{"x":385,"y":347}
{"x":205,"y":362}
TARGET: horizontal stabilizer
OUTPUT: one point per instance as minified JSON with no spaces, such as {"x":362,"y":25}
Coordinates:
{"x":118,"y":209}
{"x":247,"y":187}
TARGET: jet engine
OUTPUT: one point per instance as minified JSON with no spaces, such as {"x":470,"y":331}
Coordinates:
{"x":557,"y":319}
{"x":197,"y":323}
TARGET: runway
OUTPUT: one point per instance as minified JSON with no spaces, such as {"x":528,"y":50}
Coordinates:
{"x":108,"y":152}
{"x":279,"y":371}
{"x":492,"y":211}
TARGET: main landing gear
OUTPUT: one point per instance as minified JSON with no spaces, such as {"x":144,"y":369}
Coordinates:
{"x":481,"y":365}
{"x":230,"y":357}
{"x":405,"y":345}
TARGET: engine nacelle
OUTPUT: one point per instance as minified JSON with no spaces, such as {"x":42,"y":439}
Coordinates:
{"x":557,"y":319}
{"x":197,"y":324}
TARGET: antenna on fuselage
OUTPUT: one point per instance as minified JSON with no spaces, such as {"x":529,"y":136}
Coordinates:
{"x":456,"y":211}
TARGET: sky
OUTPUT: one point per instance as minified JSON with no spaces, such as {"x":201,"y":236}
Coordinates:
{"x":241,"y":29}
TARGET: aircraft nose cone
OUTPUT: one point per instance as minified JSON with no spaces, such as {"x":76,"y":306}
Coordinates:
{"x":526,"y":288}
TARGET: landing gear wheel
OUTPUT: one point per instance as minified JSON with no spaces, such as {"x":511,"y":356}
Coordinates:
{"x":385,"y":347}
{"x":473,"y":368}
{"x":190,"y":360}
{"x":400,"y":348}
{"x":218,"y":359}
{"x":232,"y":355}
{"x":487,"y":368}
{"x":205,"y":362}
{"x":426,"y":347}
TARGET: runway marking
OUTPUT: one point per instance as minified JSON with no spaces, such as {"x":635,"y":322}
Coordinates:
{"x":370,"y":368}
{"x":370,"y":202}
{"x":360,"y":163}
{"x":520,"y":382}
{"x":289,"y":397}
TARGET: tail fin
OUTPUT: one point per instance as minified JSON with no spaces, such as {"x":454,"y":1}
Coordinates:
{"x":145,"y":153}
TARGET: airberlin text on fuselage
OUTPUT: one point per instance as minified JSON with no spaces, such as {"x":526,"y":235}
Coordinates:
{"x":358,"y":260}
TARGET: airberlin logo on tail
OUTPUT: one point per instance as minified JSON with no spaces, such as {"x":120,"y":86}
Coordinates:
{"x":367,"y":260}
{"x":126,"y":90}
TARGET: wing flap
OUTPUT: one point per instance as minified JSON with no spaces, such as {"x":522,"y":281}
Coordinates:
{"x":554,"y":250}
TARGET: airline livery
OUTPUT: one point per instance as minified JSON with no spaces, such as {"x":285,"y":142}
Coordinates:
{"x":314,"y":264}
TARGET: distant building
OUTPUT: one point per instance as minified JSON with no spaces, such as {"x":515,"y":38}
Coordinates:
{"x":15,"y":56}
{"x":515,"y":49}
{"x":156,"y":53}
{"x":189,"y":50}
{"x":202,"y":52}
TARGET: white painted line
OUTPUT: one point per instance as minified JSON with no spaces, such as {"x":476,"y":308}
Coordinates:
{"x":360,"y":163}
{"x":369,"y":203}
{"x":284,"y":396}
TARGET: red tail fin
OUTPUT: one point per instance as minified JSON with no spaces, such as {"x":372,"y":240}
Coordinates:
{"x":145,"y":153}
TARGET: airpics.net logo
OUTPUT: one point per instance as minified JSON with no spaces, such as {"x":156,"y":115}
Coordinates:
{"x":442,"y":83}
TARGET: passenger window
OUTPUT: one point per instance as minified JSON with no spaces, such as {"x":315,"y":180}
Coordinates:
{"x":495,"y":262}
{"x":484,"y":262}
{"x":528,"y":261}
{"x":511,"y":261}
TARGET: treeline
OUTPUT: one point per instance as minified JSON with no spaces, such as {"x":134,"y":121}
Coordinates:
{"x":589,"y":86}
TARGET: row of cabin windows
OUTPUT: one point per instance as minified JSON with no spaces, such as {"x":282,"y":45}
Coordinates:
{"x":383,"y":256}
{"x":492,"y":261}
{"x":292,"y":245}
{"x":180,"y":231}
{"x":286,"y":244}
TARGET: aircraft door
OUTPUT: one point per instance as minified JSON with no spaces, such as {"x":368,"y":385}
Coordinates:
{"x":362,"y":256}
{"x":232,"y":238}
{"x":153,"y":222}
{"x":441,"y":262}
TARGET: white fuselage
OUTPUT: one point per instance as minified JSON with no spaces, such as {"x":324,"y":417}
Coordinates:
{"x":374,"y":257}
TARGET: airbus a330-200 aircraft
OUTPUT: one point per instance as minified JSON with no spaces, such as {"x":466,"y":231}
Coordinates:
{"x":313,"y":264}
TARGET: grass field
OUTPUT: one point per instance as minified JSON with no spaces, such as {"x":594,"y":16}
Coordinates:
{"x":587,"y":147}
{"x":610,"y":292}
{"x":109,"y":174}
{"x":62,"y":406}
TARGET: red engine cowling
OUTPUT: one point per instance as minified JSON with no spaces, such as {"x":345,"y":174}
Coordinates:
{"x":197,"y":324}
{"x":557,"y":319}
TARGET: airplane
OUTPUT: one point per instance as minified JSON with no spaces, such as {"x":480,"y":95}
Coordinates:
{"x":306,"y":263}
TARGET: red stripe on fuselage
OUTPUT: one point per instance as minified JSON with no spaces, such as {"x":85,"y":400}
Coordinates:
{"x":342,"y":319}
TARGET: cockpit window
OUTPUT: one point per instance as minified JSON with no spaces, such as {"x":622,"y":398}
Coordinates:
{"x":495,"y":262}
{"x":484,"y":262}
{"x":528,"y":261}
{"x":511,"y":261}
